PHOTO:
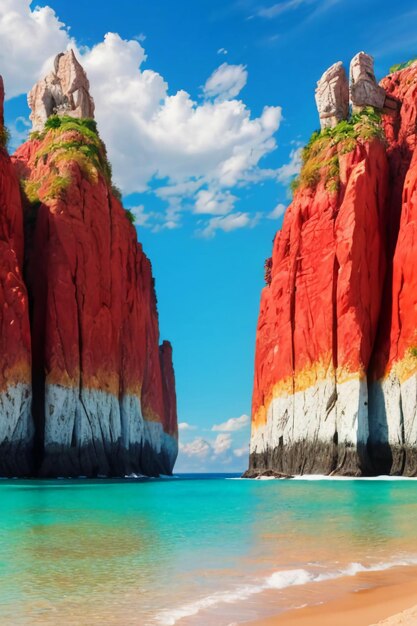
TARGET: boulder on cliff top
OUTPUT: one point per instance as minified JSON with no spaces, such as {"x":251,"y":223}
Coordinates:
{"x":64,"y":91}
{"x":332,"y":96}
{"x":364,"y":90}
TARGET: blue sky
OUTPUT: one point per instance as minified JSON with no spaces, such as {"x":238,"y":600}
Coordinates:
{"x":204,"y":137}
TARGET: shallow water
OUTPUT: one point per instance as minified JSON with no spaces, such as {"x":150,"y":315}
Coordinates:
{"x":192,"y":550}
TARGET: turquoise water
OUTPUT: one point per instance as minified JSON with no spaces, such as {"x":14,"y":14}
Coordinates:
{"x":192,"y":550}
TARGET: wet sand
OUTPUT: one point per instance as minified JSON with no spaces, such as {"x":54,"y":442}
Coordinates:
{"x":386,"y":603}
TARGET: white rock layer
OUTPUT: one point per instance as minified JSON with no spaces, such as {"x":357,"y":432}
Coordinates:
{"x":313,"y":417}
{"x":78,"y":420}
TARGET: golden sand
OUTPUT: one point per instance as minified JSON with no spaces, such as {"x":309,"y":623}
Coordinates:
{"x":386,"y":603}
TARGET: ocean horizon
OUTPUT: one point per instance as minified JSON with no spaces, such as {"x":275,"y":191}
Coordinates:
{"x":195,"y":548}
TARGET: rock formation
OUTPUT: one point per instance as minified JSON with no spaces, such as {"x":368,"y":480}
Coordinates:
{"x":332,"y":96}
{"x":335,"y":386}
{"x":86,"y":388}
{"x":334,"y":93}
{"x":364,"y":90}
{"x":64,"y":91}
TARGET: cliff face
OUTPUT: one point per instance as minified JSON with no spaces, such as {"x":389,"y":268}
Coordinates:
{"x":16,"y":425}
{"x":393,"y":377}
{"x":86,"y":390}
{"x":104,"y":404}
{"x":336,"y":350}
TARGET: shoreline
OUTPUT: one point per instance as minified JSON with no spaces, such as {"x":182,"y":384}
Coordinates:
{"x":390,"y":600}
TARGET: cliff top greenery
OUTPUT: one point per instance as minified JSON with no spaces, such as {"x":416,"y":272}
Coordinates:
{"x":344,"y":137}
{"x":68,"y":139}
{"x":86,"y":148}
{"x":4,"y":137}
{"x":402,"y":66}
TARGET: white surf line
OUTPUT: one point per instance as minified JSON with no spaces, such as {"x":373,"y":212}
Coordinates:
{"x":278,"y":580}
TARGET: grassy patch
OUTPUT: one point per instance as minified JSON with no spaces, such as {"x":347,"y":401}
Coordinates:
{"x":117,"y":193}
{"x":67,"y":140}
{"x":86,"y":147}
{"x":401,"y":66}
{"x":316,"y":162}
{"x":57,"y":186}
{"x":130,"y":216}
{"x":4,"y":137}
{"x":31,"y":190}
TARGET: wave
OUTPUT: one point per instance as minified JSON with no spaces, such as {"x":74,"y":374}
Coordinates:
{"x":278,"y":580}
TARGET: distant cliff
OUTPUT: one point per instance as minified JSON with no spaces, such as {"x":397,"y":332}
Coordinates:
{"x":87,"y":390}
{"x":335,"y":386}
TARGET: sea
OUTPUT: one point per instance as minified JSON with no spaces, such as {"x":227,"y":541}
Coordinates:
{"x":208,"y":549}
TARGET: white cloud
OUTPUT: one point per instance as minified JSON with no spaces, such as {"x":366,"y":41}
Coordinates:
{"x":221,"y":444}
{"x":172,"y":138}
{"x":243,"y":451}
{"x":19,"y":131}
{"x":222,"y":51}
{"x":226,"y":82}
{"x":232,"y":424}
{"x":199,"y":447}
{"x":214,"y":203}
{"x":186,"y":426}
{"x":194,"y":153}
{"x":28,"y":38}
{"x":228,"y":223}
{"x":141,"y":216}
{"x":277,"y":212}
{"x":277,"y":9}
{"x":286,"y":172}
{"x":281,"y":7}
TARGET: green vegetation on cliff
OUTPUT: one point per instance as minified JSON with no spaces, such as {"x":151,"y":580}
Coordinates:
{"x":401,"y":66}
{"x":4,"y":137}
{"x":320,"y":157}
{"x":67,"y":140}
{"x":71,"y":139}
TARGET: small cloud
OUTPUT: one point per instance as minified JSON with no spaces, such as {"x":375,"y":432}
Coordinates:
{"x":226,"y":82}
{"x":281,"y":7}
{"x":141,"y":37}
{"x":243,"y":451}
{"x":185,"y":426}
{"x":222,"y":51}
{"x":286,"y":172}
{"x":228,"y":223}
{"x":277,"y":212}
{"x":232,"y":424}
{"x":19,"y":131}
{"x":199,"y":447}
{"x":141,"y":218}
{"x":214,"y":202}
{"x":221,"y":444}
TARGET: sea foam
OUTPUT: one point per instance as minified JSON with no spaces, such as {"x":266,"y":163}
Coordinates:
{"x":281,"y":579}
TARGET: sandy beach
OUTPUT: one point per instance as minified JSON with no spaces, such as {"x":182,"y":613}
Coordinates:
{"x":391,"y":600}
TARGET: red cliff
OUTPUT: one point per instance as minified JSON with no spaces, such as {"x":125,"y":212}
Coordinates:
{"x":393,"y":377}
{"x":336,"y":350}
{"x":16,"y":426}
{"x":86,"y":390}
{"x":103,"y":404}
